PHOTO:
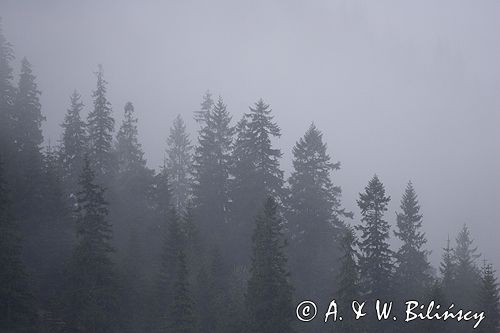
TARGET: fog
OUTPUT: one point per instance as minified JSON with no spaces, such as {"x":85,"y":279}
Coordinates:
{"x":406,"y":90}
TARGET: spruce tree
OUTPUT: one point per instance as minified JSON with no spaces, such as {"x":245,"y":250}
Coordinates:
{"x":256,"y":173}
{"x":489,"y":300}
{"x":467,"y":273}
{"x":269,"y":293}
{"x":412,"y":272}
{"x":132,"y":216}
{"x":73,"y":142}
{"x":133,"y":181}
{"x":314,"y":216}
{"x":212,"y":167}
{"x":181,"y":317}
{"x":7,"y":96}
{"x":54,"y":233}
{"x":17,"y":310}
{"x":128,"y":149}
{"x":91,"y":292}
{"x":206,"y":106}
{"x":179,"y":163}
{"x":172,"y":292}
{"x":348,"y":280}
{"x":376,"y":257}
{"x":162,"y":195}
{"x":447,"y":268}
{"x":100,"y":125}
{"x":27,"y":131}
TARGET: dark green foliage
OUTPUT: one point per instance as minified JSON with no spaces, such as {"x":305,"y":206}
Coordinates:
{"x":412,"y":271}
{"x":17,"y":311}
{"x":92,"y":290}
{"x":269,"y":293}
{"x":489,"y":300}
{"x":376,"y":257}
{"x":314,"y":216}
{"x":179,"y":163}
{"x":212,"y":167}
{"x":73,"y":142}
{"x":101,"y":124}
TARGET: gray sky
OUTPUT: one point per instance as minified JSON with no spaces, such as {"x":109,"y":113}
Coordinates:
{"x":404,"y":89}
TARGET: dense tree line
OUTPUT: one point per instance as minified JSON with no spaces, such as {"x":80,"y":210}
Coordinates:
{"x":214,"y":240}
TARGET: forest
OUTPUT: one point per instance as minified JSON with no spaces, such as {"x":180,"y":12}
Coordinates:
{"x":217,"y":239}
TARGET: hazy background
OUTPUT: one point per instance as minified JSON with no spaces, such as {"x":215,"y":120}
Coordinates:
{"x":404,"y":89}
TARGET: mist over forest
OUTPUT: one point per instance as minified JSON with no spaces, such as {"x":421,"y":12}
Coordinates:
{"x":206,"y":166}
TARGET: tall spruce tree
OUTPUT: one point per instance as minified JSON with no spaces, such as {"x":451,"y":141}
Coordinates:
{"x":27,"y":121}
{"x":92,"y":290}
{"x":132,"y":218}
{"x":413,"y":268}
{"x":467,"y":273}
{"x":54,"y":234}
{"x":314,"y":216}
{"x":128,"y":149}
{"x":348,"y":279}
{"x":447,"y":269}
{"x":73,"y":142}
{"x":101,"y":125}
{"x":173,"y":249}
{"x":17,"y":310}
{"x":256,"y":173}
{"x":179,"y":163}
{"x":181,"y":318}
{"x":269,"y":293}
{"x":7,"y":96}
{"x":376,"y":257}
{"x":489,"y":300}
{"x":212,"y":167}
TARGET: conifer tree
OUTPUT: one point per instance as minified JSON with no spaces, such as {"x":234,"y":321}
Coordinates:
{"x":73,"y":142}
{"x":162,"y":195}
{"x":447,"y":268}
{"x":314,"y":216}
{"x":172,"y":293}
{"x":27,"y":121}
{"x":101,"y":125}
{"x":7,"y":96}
{"x":489,"y":300}
{"x":348,"y":279}
{"x":181,"y":317}
{"x":467,"y":273}
{"x":256,"y":172}
{"x":376,"y":257}
{"x":179,"y":163}
{"x":212,"y":167}
{"x":133,"y":181}
{"x":206,"y":106}
{"x":54,"y":233}
{"x":17,"y":311}
{"x":412,"y":272}
{"x":128,"y":149}
{"x":91,"y":300}
{"x":269,"y":293}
